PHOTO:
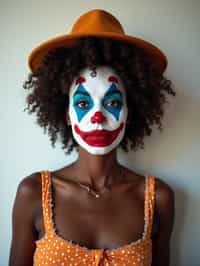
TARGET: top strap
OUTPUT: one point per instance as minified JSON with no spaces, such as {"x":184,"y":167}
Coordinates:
{"x":149,"y":204}
{"x":46,"y":202}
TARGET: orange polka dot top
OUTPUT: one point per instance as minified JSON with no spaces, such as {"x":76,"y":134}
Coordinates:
{"x":52,"y":249}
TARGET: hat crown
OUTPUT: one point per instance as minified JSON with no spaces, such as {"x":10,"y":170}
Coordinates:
{"x":96,"y":23}
{"x":97,"y":20}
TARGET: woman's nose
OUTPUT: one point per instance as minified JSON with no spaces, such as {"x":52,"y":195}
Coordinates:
{"x":98,"y":117}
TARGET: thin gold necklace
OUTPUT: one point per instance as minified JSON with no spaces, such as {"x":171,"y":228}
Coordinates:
{"x":92,"y":191}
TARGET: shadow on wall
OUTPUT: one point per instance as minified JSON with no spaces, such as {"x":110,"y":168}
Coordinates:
{"x":181,"y":200}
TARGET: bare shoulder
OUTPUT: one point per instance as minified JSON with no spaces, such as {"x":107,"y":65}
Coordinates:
{"x":29,"y":190}
{"x":164,"y":216}
{"x":164,"y":207}
{"x":164,"y":193}
{"x":27,"y":199}
{"x":30,"y":185}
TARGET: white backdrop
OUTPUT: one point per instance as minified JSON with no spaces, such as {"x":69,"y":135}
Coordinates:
{"x":172,"y":155}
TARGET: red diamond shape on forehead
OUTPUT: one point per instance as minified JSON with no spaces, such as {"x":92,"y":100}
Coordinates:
{"x":80,"y":80}
{"x":113,"y":79}
{"x":110,"y":79}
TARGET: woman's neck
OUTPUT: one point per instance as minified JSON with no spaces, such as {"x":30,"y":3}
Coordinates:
{"x":96,"y":171}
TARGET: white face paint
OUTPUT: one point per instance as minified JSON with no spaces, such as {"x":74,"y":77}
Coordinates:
{"x":98,"y":110}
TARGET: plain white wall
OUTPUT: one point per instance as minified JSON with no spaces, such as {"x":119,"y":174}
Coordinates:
{"x":172,"y":155}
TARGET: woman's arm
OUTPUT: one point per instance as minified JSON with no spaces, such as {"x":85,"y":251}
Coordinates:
{"x":23,"y":230}
{"x":164,"y":205}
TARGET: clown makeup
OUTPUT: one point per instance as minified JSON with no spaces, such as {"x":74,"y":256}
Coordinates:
{"x":98,"y":109}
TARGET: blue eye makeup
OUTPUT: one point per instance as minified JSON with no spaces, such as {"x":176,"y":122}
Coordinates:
{"x":113,"y":101}
{"x":82,"y":102}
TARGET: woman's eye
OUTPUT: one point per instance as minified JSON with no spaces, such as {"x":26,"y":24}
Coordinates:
{"x":82,"y":104}
{"x":114,"y":104}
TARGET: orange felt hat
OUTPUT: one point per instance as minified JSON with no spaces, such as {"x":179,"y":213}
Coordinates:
{"x":97,"y":23}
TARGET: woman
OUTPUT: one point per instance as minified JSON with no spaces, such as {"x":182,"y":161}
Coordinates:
{"x":96,"y":89}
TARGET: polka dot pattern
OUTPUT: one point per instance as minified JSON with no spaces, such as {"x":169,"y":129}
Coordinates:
{"x":53,"y":250}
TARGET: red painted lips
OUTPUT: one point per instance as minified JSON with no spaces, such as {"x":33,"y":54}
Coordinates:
{"x":99,"y":138}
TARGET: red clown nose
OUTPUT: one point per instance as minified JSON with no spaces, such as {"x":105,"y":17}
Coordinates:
{"x":98,"y":117}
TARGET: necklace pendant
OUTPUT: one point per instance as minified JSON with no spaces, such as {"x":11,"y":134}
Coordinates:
{"x":97,"y":195}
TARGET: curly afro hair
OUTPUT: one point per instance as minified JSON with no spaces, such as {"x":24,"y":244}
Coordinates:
{"x":145,"y":88}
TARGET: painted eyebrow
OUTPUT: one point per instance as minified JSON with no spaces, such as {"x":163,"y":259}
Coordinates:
{"x":81,"y":91}
{"x":113,"y":90}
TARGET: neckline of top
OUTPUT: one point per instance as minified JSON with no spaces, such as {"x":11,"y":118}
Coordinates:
{"x":84,"y":248}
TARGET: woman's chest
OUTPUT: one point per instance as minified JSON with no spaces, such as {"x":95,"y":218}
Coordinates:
{"x":95,"y":223}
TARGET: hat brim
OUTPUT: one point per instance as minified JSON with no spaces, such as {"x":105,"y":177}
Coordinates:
{"x":70,"y":40}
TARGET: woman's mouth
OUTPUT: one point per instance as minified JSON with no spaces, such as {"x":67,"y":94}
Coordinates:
{"x":99,"y":138}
